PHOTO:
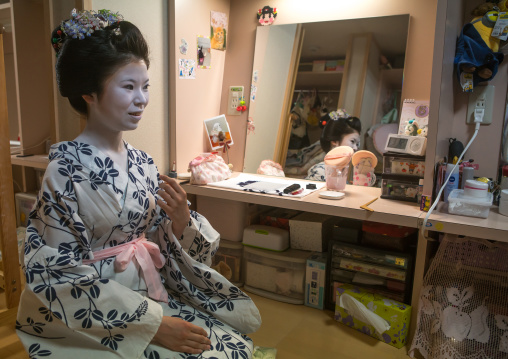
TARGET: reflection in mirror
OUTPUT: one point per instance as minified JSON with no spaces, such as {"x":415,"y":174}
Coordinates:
{"x":303,"y":71}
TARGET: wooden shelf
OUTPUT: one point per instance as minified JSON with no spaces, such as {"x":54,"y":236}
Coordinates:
{"x":385,"y":210}
{"x":35,"y":161}
{"x":5,"y":6}
{"x":322,"y":80}
{"x":495,"y":227}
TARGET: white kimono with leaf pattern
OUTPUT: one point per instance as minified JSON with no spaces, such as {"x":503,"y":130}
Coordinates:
{"x":71,"y":310}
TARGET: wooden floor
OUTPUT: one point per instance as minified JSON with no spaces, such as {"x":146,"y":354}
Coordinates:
{"x":296,"y":331}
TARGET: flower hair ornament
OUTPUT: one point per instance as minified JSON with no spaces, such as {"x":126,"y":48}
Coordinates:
{"x":83,"y":24}
{"x":334,"y":116}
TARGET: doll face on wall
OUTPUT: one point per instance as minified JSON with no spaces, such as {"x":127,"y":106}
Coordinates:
{"x":267,"y":15}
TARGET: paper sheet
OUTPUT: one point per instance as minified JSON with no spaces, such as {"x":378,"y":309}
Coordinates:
{"x":267,"y":185}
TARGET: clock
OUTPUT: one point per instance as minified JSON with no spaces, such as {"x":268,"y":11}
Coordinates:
{"x":412,"y":145}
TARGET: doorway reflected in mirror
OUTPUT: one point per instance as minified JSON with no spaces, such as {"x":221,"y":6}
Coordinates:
{"x":304,"y":71}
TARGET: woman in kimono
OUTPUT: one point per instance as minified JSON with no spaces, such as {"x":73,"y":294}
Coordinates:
{"x":339,"y":129}
{"x":115,"y":263}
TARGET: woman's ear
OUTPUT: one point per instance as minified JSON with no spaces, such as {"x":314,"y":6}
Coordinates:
{"x":88,"y":98}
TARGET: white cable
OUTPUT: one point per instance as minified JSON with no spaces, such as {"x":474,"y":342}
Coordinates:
{"x":477,"y":127}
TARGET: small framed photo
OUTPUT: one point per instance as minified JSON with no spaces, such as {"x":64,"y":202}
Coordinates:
{"x":218,"y":132}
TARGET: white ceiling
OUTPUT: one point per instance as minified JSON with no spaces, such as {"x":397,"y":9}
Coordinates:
{"x":330,"y":39}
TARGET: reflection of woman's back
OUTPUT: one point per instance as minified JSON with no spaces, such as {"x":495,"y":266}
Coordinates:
{"x":339,"y":129}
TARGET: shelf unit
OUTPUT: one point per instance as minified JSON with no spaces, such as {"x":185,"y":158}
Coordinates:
{"x":321,"y":80}
{"x":33,"y":107}
{"x":495,"y":227}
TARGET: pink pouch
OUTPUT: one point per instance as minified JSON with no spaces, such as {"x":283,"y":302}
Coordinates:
{"x":270,"y":168}
{"x":208,"y":168}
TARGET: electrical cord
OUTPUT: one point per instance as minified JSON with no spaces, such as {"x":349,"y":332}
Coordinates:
{"x":478,"y":118}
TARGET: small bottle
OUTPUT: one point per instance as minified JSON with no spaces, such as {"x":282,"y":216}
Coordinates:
{"x":420,"y":191}
{"x":453,"y":182}
{"x":173,"y":173}
{"x":467,"y":174}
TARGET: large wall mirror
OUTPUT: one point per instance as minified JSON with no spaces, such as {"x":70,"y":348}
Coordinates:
{"x":315,"y":68}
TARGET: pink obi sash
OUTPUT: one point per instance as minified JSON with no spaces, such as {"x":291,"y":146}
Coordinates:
{"x":148,"y":256}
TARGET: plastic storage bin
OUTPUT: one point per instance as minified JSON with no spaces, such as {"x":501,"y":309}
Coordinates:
{"x":24,"y":205}
{"x":469,"y":206}
{"x":405,"y":165}
{"x":399,"y":187}
{"x":310,"y":231}
{"x":230,"y":254}
{"x":388,"y":236}
{"x":276,"y":275}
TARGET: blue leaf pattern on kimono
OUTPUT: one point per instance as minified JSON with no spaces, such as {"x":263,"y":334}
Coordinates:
{"x":86,"y":205}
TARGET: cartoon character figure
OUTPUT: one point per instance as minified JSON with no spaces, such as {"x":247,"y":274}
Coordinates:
{"x":217,"y":41}
{"x":267,"y":15}
{"x":411,"y":128}
{"x":422,"y":132}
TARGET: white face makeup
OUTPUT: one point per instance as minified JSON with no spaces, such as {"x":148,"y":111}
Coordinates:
{"x":352,"y":140}
{"x":123,"y":100}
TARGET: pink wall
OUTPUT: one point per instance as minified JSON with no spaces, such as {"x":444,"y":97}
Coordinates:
{"x":242,"y":34}
{"x":198,"y":99}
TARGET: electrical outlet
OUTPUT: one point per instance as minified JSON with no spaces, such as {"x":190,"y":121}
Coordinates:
{"x":234,"y":98}
{"x":487,"y":94}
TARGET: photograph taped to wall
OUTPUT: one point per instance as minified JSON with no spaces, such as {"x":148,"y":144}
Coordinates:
{"x":204,"y":54}
{"x":218,"y":30}
{"x":217,"y":129}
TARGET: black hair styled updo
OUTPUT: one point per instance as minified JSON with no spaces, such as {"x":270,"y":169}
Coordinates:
{"x":336,"y":129}
{"x":83,"y":66}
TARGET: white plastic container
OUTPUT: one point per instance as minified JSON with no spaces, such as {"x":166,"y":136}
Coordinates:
{"x":276,"y":275}
{"x":473,"y":188}
{"x":463,"y":205}
{"x":503,"y":202}
{"x":266,"y":237}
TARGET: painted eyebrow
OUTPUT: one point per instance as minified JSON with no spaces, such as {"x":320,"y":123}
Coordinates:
{"x":134,"y":81}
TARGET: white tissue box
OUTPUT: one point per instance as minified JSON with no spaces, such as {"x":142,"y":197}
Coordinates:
{"x":276,"y":275}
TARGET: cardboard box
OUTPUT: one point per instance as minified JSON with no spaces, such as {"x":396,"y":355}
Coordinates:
{"x":227,"y":217}
{"x":315,"y":280}
{"x":310,"y":232}
{"x":398,"y":315}
{"x":318,"y":65}
{"x":24,"y":205}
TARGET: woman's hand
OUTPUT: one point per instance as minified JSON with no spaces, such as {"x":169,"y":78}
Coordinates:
{"x":176,"y":204}
{"x":180,"y":336}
